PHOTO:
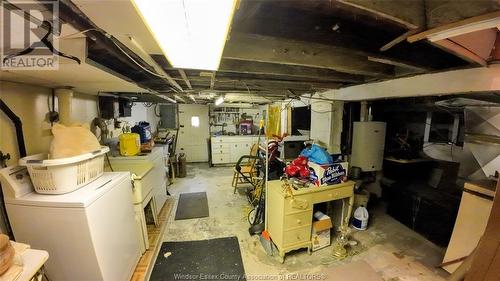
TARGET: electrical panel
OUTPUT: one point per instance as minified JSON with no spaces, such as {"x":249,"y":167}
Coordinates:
{"x":107,"y":107}
{"x":111,"y":107}
{"x":125,"y":107}
{"x":168,"y":116}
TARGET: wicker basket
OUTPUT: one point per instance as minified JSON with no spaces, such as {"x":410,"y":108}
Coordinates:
{"x":58,"y":176}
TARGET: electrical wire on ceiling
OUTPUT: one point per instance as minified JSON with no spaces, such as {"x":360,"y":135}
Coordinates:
{"x":69,"y":36}
{"x":114,"y":41}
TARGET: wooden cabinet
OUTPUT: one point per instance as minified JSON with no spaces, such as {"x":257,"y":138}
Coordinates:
{"x":229,"y":149}
{"x":289,"y":219}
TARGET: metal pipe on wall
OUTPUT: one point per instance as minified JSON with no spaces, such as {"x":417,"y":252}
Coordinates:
{"x":363,"y":112}
{"x":64,"y":99}
{"x":18,"y":125}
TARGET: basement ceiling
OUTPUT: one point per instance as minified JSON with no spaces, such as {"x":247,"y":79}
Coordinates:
{"x":276,"y":49}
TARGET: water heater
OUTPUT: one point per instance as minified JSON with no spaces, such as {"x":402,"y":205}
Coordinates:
{"x":368,"y":142}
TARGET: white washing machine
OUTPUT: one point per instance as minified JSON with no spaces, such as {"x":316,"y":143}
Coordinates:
{"x":90,"y":233}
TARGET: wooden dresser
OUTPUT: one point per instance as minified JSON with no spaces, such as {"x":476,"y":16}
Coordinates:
{"x":289,"y":217}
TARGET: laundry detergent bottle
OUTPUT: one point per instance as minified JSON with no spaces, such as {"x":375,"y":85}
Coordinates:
{"x":360,"y":220}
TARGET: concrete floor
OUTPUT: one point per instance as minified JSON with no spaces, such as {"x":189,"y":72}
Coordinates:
{"x":394,"y":251}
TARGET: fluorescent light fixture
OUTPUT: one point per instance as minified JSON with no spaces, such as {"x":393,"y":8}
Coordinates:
{"x":191,"y":33}
{"x":219,"y":100}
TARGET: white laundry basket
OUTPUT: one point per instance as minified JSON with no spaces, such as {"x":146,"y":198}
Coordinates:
{"x":63,"y":175}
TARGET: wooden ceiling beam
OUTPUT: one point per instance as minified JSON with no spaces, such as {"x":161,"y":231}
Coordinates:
{"x":410,"y":13}
{"x":273,"y":70}
{"x":212,"y":80}
{"x":258,"y":48}
{"x":274,"y":84}
{"x":400,"y":63}
{"x":185,"y":78}
{"x":399,"y":39}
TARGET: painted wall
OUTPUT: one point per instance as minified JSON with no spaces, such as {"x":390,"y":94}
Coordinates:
{"x":30,"y":103}
{"x":140,"y":112}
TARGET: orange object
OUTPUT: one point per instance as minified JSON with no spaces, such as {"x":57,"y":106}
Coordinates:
{"x":266,"y":236}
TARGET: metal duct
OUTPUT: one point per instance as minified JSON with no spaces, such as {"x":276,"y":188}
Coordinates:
{"x":481,"y":152}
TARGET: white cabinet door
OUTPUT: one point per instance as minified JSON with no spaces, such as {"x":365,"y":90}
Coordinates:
{"x":239,"y":149}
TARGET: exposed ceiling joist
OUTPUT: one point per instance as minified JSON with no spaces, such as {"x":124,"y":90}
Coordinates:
{"x":272,"y":69}
{"x":400,"y":63}
{"x":410,"y":13}
{"x":212,"y":80}
{"x":280,"y":84}
{"x":258,"y":48}
{"x":399,"y":39}
{"x":185,"y":78}
{"x":464,"y":81}
{"x":442,"y":12}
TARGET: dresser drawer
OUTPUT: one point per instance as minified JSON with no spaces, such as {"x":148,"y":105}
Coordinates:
{"x":298,"y":204}
{"x":331,"y":194}
{"x":218,"y":140}
{"x":298,"y":235}
{"x":220,"y":151}
{"x":216,"y":146}
{"x":220,"y":158}
{"x":298,"y":220}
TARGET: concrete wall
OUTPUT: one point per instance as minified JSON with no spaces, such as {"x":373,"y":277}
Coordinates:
{"x":30,"y":103}
{"x":140,"y":112}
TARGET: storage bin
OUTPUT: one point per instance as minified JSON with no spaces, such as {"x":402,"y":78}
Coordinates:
{"x":58,"y":176}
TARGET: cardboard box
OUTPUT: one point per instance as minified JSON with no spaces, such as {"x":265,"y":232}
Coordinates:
{"x":328,"y":174}
{"x":320,"y":234}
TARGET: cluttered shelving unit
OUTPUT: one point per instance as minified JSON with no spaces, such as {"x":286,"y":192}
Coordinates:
{"x":225,"y":115}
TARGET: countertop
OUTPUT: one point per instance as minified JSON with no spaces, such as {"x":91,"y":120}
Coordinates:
{"x":233,"y":136}
{"x":486,"y":187}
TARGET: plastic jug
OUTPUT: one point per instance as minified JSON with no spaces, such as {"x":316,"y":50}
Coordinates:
{"x":360,"y":220}
{"x":130,"y":144}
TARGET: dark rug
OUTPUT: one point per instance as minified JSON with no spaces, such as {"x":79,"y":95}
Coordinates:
{"x":214,"y":259}
{"x":192,"y":205}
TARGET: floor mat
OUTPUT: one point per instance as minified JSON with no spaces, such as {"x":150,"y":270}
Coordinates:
{"x":214,"y":259}
{"x":192,"y":205}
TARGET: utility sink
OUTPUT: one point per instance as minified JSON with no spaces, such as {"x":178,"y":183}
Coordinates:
{"x":142,"y":177}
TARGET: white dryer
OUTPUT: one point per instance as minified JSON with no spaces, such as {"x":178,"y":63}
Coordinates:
{"x":90,"y":234}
